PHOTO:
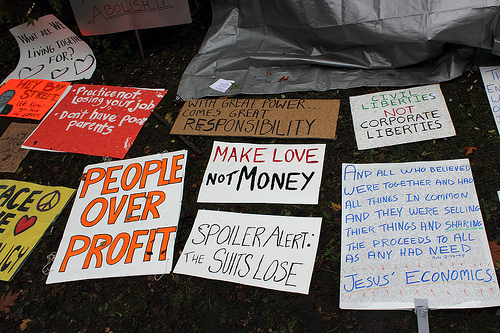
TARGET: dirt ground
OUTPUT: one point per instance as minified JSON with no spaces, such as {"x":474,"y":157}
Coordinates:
{"x":178,"y":303}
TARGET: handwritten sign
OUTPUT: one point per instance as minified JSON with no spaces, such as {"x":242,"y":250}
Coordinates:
{"x":51,"y":51}
{"x":11,"y":153}
{"x":30,"y":99}
{"x":273,"y":252}
{"x":491,"y":81}
{"x":400,"y":116}
{"x":124,"y":219}
{"x":414,"y":231}
{"x":26,"y":211}
{"x":276,"y":118}
{"x":95,"y":120}
{"x":96,"y":17}
{"x":240,"y":172}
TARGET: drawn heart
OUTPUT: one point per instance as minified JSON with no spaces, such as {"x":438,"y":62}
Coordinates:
{"x":82,"y":65}
{"x":27,"y":72}
{"x":58,"y":72}
{"x":24,"y":224}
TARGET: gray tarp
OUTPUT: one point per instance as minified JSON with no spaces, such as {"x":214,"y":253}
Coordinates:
{"x":338,"y":44}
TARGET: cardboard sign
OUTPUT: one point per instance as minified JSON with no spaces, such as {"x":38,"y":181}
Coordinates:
{"x":491,"y":81}
{"x":95,"y":120}
{"x":96,"y":17}
{"x":414,"y":231}
{"x":239,"y":172}
{"x":124,"y":219}
{"x":400,"y":116}
{"x":11,"y":153}
{"x":26,"y":211}
{"x":51,"y":51}
{"x":30,"y":99}
{"x":274,"y":118}
{"x":273,"y":252}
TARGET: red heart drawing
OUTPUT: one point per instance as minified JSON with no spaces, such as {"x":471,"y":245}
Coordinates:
{"x":24,"y":224}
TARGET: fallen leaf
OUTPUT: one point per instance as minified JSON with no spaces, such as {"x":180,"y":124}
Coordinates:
{"x":336,"y":207}
{"x":7,"y":300}
{"x":469,"y":150}
{"x":495,"y":252}
{"x":284,"y":78}
{"x":24,"y":324}
{"x":268,"y":72}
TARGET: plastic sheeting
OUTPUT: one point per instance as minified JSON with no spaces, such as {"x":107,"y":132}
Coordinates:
{"x":270,"y":47}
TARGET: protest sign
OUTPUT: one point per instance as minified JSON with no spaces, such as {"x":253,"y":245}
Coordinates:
{"x":273,"y":252}
{"x":414,"y":231}
{"x":11,"y":153}
{"x":95,"y":120}
{"x":400,"y":116}
{"x":491,"y":81}
{"x":258,"y":173}
{"x":49,"y":50}
{"x":96,"y":17}
{"x":30,"y":99}
{"x":124,"y":219}
{"x":275,"y":118}
{"x":26,"y":211}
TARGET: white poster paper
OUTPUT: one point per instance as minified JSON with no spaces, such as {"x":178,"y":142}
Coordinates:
{"x":273,"y":252}
{"x":414,"y":231}
{"x":124,"y":219}
{"x":259,"y":173}
{"x":97,"y":17}
{"x":51,"y":51}
{"x":491,"y":81}
{"x":400,"y":116}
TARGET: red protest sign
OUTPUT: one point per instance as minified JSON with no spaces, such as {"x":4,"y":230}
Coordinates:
{"x":95,"y":120}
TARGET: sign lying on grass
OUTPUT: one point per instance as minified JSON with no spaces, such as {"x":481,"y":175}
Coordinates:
{"x":414,"y":231}
{"x":124,"y":219}
{"x":491,"y":81}
{"x":400,"y":116}
{"x":26,"y":211}
{"x":95,"y":120}
{"x":277,"y":118}
{"x":259,"y":173}
{"x":11,"y":153}
{"x":97,"y":17}
{"x":49,"y":50}
{"x":273,"y":252}
{"x":30,"y":99}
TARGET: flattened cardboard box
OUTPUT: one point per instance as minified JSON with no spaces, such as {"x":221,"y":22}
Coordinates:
{"x":276,"y":118}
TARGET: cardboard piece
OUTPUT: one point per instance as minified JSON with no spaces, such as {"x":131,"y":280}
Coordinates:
{"x":491,"y":81}
{"x":51,"y":51}
{"x":273,"y":252}
{"x":400,"y":116}
{"x":95,"y":120}
{"x":96,"y":17}
{"x":124,"y":219}
{"x":26,"y":211}
{"x":260,"y":173}
{"x":273,"y":118}
{"x":414,"y":231}
{"x":11,"y":153}
{"x":29,"y":99}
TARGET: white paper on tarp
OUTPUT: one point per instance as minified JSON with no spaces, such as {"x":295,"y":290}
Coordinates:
{"x":51,"y":51}
{"x":222,"y":85}
{"x":95,"y":17}
{"x":414,"y":231}
{"x":260,"y":173}
{"x":124,"y":219}
{"x":491,"y":81}
{"x":273,"y":252}
{"x":400,"y":116}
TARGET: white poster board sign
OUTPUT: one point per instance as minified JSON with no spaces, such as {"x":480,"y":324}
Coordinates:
{"x":491,"y":81}
{"x":400,"y":116}
{"x":273,"y":252}
{"x":414,"y":231}
{"x":124,"y":219}
{"x":259,"y":173}
{"x":51,"y":51}
{"x":95,"y":17}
